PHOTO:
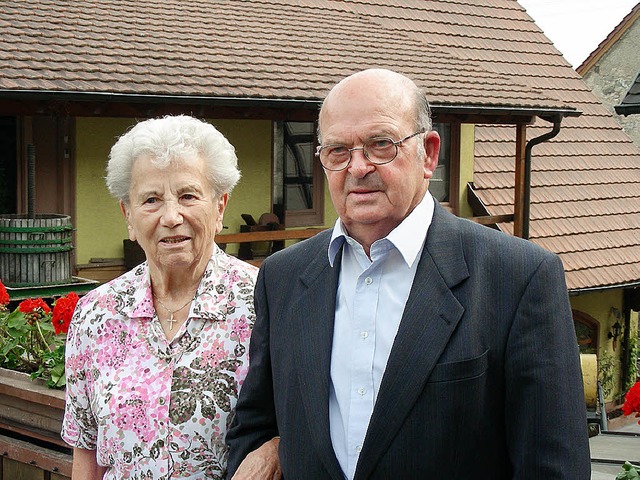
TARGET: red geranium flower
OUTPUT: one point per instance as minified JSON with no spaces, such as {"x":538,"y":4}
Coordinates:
{"x":632,"y":401}
{"x":32,"y":304}
{"x":63,"y":311}
{"x":4,"y":296}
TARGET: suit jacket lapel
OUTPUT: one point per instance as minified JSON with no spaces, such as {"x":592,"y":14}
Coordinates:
{"x":431,"y":315}
{"x":315,"y":311}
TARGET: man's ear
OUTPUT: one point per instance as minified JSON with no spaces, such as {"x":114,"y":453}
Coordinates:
{"x":432,"y":151}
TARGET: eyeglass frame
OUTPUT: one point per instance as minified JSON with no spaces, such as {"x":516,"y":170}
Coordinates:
{"x":396,"y":143}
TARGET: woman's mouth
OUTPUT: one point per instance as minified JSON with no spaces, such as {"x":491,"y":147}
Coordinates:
{"x":174,"y":239}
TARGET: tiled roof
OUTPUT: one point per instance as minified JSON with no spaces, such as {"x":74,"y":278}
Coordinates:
{"x":265,"y":49}
{"x":488,"y":53}
{"x":630,"y":104}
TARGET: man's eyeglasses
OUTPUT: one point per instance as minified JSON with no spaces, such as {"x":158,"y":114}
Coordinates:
{"x":377,"y":150}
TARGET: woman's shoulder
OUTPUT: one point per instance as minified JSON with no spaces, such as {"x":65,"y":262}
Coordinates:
{"x":110,"y":297}
{"x":234,"y":267}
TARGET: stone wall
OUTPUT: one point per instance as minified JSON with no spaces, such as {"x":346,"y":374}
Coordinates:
{"x":613,"y":74}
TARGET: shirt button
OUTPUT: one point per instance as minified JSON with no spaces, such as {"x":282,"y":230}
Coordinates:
{"x":362,"y":391}
{"x":364,"y":334}
{"x":368,"y":280}
{"x":359,"y":448}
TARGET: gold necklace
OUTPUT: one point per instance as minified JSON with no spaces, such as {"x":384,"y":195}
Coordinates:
{"x":172,"y":320}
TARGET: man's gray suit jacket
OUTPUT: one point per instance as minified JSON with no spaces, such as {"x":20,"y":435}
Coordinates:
{"x":483,"y":380}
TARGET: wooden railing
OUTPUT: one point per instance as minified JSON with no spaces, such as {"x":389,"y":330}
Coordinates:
{"x":276,"y":237}
{"x":268,"y":236}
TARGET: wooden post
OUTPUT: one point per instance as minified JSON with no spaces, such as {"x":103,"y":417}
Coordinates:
{"x":518,"y":191}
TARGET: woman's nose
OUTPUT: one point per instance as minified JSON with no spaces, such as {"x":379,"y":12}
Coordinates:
{"x":171,"y":214}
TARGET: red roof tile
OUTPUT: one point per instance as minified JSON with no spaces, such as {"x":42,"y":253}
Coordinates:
{"x":585,"y":182}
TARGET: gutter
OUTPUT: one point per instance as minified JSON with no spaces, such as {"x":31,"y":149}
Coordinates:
{"x":580,"y":291}
{"x":526,"y":207}
{"x":111,"y":97}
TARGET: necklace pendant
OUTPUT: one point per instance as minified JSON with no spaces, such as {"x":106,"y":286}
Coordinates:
{"x":171,"y":321}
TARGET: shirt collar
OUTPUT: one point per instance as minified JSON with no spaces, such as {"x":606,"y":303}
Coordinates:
{"x":142,"y":302}
{"x":408,"y":237}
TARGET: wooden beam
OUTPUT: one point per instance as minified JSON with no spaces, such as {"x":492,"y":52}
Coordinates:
{"x":518,"y":200}
{"x":30,"y":454}
{"x":493,"y":219}
{"x":271,"y":235}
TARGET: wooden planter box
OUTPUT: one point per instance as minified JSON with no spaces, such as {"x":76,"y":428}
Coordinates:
{"x":30,"y":422}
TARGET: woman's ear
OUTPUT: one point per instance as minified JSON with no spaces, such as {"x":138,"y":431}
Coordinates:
{"x":125,"y":211}
{"x":221,"y":204}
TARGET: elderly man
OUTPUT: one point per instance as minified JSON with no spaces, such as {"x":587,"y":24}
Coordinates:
{"x":407,"y":343}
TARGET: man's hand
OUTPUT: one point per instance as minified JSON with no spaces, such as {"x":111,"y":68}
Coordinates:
{"x":261,"y":464}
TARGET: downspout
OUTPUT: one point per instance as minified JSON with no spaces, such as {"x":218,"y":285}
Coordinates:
{"x":526,"y":207}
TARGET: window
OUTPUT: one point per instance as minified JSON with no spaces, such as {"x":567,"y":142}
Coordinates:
{"x":8,"y":165}
{"x":298,"y":180}
{"x":587,"y":331}
{"x":298,"y":185}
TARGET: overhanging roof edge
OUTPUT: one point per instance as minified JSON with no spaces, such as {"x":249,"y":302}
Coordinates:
{"x":578,"y":291}
{"x":56,"y":95}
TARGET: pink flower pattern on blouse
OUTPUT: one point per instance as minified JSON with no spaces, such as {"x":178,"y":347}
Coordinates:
{"x":154,"y":409}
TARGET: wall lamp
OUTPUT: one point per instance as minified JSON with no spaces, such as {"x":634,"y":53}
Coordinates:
{"x":616,"y":328}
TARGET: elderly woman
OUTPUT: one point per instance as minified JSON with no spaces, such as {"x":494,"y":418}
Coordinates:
{"x":155,"y":358}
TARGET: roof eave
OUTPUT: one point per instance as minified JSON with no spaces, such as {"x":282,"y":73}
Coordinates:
{"x":629,"y":109}
{"x":602,"y":288}
{"x":111,"y":97}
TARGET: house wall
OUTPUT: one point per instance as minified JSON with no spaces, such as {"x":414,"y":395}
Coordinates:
{"x":612,"y":75}
{"x":100,"y":227}
{"x":467,"y":149}
{"x":599,"y":306}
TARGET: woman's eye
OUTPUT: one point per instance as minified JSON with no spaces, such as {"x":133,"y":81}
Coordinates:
{"x":188,"y":196}
{"x":150,"y":200}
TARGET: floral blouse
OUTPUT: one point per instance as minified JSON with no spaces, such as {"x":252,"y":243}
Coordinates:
{"x":154,"y":409}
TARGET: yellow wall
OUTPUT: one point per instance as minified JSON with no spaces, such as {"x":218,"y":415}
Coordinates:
{"x":467,"y":141}
{"x":100,"y":227}
{"x":599,"y":306}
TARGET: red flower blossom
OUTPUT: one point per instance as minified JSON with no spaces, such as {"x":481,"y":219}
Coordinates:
{"x":63,"y":311}
{"x":632,"y":401}
{"x":4,"y":296}
{"x":33,"y":304}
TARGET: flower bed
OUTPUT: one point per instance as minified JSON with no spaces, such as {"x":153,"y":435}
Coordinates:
{"x":33,"y":336}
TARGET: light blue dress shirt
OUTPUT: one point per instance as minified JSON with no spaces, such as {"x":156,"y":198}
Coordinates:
{"x":371,"y":297}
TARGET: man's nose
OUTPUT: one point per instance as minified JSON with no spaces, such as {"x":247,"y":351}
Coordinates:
{"x":360,"y":164}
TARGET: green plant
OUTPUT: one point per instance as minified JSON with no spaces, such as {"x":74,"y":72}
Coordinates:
{"x":606,"y":366}
{"x":632,"y":370}
{"x":628,"y":472}
{"x":33,"y":336}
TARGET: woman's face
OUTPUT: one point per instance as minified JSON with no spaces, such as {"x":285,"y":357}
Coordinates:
{"x":173,"y":214}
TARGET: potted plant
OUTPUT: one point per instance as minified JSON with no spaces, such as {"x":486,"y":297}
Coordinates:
{"x":32,"y":350}
{"x":631,"y":406}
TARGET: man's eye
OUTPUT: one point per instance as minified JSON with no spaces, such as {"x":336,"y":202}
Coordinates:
{"x":380,"y":143}
{"x":337,"y":150}
{"x":188,"y":196}
{"x":150,"y":200}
